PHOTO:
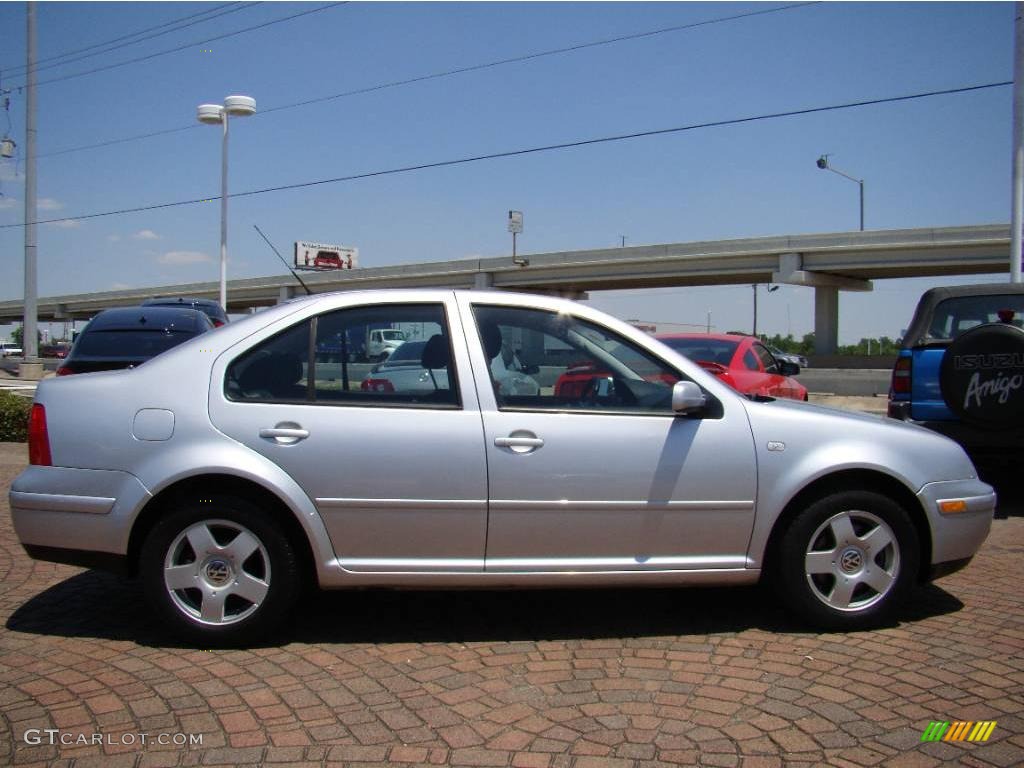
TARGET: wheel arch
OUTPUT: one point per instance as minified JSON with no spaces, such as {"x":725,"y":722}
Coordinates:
{"x":853,"y":480}
{"x":216,"y":484}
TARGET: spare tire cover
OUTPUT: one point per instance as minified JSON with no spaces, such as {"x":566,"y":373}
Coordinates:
{"x":982,"y":376}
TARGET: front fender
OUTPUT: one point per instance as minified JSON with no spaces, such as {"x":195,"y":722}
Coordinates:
{"x":799,"y":444}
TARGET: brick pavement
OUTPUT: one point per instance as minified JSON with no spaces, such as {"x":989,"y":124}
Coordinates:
{"x":590,"y":679}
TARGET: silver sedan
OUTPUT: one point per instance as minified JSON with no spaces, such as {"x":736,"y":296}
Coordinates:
{"x":234,"y":470}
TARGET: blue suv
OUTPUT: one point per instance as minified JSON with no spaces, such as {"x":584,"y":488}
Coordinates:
{"x":960,"y":371}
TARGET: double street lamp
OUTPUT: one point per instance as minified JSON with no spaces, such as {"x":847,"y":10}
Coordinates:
{"x":823,"y":164}
{"x":214,"y":114}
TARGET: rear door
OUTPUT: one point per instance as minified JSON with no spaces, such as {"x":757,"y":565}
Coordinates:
{"x":398,"y":474}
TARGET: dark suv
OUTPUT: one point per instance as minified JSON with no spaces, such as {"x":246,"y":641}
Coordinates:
{"x":961,"y":370}
{"x":129,"y":336}
{"x":208,"y":307}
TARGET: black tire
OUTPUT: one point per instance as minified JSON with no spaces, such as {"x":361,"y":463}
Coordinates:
{"x":846,"y":578}
{"x":238,"y":598}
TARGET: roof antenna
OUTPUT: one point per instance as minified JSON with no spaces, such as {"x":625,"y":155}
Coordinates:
{"x":286,"y":264}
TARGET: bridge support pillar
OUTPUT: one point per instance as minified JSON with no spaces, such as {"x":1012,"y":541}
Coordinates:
{"x":284,"y":293}
{"x":826,"y":320}
{"x":483,"y":280}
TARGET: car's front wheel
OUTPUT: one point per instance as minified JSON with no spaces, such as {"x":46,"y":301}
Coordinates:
{"x":848,"y":560}
{"x":219,"y":571}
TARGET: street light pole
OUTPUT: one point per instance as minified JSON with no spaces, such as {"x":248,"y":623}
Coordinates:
{"x":823,"y":164}
{"x":771,"y":289}
{"x":224,"y":216}
{"x":213,"y":114}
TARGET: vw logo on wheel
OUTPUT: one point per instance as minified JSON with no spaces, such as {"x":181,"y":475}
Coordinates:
{"x":217,"y":572}
{"x":851,"y":561}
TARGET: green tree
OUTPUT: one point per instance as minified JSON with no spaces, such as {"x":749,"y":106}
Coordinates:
{"x":18,"y":334}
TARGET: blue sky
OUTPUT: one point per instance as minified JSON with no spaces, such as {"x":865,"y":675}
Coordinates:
{"x":937,"y":162}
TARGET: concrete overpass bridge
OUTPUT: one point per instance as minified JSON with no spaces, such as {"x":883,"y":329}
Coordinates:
{"x":826,"y":263}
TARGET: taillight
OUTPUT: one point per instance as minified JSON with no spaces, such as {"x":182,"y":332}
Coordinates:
{"x":217,"y":323}
{"x":38,"y":439}
{"x":901,"y":375}
{"x":65,"y":370}
{"x":377,"y":385}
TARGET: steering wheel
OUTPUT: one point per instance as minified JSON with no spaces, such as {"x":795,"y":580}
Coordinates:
{"x":591,"y":391}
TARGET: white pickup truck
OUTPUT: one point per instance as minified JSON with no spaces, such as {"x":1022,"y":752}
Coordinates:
{"x":381,"y":342}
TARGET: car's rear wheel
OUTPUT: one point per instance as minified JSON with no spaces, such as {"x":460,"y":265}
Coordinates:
{"x":219,"y":571}
{"x":848,"y":561}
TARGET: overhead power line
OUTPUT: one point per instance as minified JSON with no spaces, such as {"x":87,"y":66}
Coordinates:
{"x":210,"y":13}
{"x":193,"y":44}
{"x":449,"y":73}
{"x":538,"y":55}
{"x":536,"y":150}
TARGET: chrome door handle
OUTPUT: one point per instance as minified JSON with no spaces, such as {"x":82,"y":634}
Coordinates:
{"x":519,"y":443}
{"x":284,"y":435}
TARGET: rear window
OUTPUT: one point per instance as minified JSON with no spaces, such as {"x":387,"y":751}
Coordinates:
{"x":134,"y":344}
{"x":956,"y":315}
{"x":710,"y":350}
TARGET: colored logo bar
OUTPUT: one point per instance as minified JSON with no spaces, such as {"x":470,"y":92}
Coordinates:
{"x":959,"y":730}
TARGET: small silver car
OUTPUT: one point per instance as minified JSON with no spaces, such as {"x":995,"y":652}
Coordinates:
{"x":230,"y":472}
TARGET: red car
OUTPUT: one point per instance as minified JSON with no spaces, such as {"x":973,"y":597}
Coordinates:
{"x":742,"y":362}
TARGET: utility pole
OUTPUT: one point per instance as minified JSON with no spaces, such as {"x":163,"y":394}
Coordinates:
{"x":1017,"y":206}
{"x":31,"y":367}
{"x":754,"y":286}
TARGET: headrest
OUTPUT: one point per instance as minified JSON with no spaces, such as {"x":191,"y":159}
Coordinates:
{"x":490,"y":333}
{"x":436,"y":353}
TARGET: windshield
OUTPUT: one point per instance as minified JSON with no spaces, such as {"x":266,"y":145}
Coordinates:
{"x":712,"y":350}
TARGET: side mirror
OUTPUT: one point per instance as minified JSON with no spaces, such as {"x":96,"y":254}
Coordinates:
{"x":687,"y":398}
{"x":787,"y":368}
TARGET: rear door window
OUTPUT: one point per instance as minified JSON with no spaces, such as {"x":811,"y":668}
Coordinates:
{"x":323,"y":360}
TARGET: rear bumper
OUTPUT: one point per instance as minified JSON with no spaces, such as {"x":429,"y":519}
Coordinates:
{"x":85,"y":510}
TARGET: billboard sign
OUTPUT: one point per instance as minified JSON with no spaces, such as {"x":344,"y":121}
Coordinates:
{"x":515,"y":222}
{"x":323,"y":256}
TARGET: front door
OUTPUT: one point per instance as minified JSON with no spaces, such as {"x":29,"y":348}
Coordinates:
{"x":594,"y":472}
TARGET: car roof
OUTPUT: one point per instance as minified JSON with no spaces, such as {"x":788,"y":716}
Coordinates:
{"x":154,"y":318}
{"x":176,"y":300}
